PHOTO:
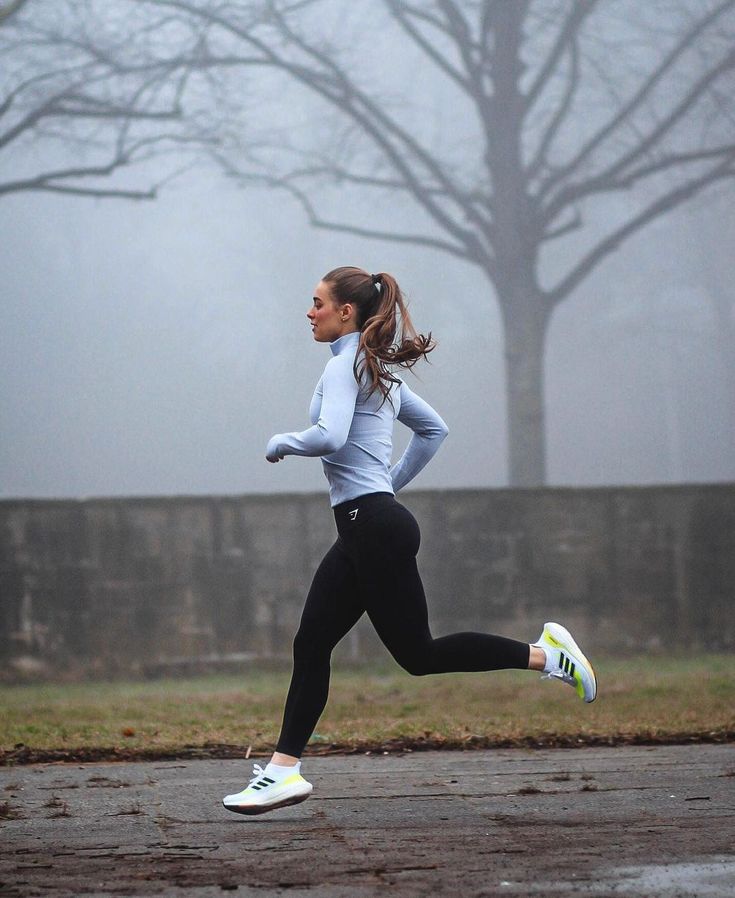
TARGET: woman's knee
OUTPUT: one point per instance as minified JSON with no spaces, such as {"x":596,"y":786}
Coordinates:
{"x":416,"y":665}
{"x":309,"y":648}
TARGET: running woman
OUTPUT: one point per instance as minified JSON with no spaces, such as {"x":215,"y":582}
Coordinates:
{"x":372,"y":565}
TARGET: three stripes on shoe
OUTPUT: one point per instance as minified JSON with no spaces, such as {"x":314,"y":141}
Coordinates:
{"x":566,"y":664}
{"x":262,"y":783}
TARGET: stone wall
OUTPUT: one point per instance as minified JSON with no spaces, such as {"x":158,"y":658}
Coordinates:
{"x":151,"y":584}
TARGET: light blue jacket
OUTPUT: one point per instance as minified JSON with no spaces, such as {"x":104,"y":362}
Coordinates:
{"x":353,"y":432}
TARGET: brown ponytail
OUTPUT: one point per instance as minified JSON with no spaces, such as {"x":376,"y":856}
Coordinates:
{"x":387,"y":336}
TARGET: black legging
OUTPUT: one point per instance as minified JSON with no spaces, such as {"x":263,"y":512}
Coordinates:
{"x":372,"y":567}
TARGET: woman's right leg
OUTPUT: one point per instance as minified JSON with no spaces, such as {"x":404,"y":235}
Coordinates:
{"x":333,"y":606}
{"x":385,"y":558}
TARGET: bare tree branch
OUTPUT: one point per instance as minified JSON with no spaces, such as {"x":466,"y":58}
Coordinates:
{"x":655,"y":136}
{"x":285,"y":183}
{"x":339,"y":174}
{"x":560,"y":116}
{"x":573,"y":225}
{"x":98,"y":193}
{"x":613,"y":177}
{"x":666,"y":203}
{"x":422,"y":14}
{"x":638,"y":97}
{"x":567,"y":38}
{"x":606,"y":183}
{"x":459,"y":30}
{"x":49,"y":182}
{"x":401,"y":13}
{"x":373,"y":121}
{"x":49,"y":104}
{"x":338,"y":89}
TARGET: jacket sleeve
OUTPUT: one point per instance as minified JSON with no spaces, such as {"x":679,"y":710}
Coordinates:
{"x":429,"y":430}
{"x":339,"y":394}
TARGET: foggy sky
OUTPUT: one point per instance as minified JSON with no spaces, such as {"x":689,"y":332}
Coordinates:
{"x":153,"y":348}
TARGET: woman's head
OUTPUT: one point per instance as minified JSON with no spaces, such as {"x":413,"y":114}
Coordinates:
{"x":373,"y":304}
{"x":329,"y":320}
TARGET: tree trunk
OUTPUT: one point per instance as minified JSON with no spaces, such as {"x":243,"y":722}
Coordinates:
{"x":724,"y":309}
{"x":713,"y":238}
{"x":525,"y":320}
{"x":514,"y":238}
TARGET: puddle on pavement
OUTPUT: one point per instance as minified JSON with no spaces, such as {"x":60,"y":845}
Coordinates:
{"x":714,"y":878}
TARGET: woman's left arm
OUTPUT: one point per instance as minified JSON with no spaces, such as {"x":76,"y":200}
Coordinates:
{"x":339,"y":394}
{"x":429,"y":431}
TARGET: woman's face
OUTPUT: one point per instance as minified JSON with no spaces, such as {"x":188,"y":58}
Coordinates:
{"x":328,"y":320}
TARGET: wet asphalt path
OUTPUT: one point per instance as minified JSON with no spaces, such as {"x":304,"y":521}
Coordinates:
{"x":632,"y":821}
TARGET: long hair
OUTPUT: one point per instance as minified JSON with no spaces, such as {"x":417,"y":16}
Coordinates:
{"x":387,"y":336}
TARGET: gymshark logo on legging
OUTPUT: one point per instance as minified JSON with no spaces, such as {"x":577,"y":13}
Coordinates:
{"x":353,"y":513}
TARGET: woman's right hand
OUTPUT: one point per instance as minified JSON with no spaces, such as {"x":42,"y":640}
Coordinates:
{"x":273,"y":452}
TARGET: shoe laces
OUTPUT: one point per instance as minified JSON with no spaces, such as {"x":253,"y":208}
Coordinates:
{"x":258,"y":771}
{"x":560,"y":675}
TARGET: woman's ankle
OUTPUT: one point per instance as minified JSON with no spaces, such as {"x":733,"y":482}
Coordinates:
{"x":536,"y":658}
{"x":281,"y":760}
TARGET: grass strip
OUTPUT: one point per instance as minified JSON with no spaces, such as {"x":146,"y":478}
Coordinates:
{"x":641,"y":699}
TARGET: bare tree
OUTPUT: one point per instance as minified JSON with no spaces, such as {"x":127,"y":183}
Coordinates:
{"x":555,"y":131}
{"x":70,"y":115}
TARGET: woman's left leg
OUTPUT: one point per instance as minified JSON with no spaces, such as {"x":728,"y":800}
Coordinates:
{"x":332,"y":608}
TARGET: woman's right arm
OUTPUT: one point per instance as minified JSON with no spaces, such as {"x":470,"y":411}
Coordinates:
{"x":339,"y":394}
{"x":429,"y":430}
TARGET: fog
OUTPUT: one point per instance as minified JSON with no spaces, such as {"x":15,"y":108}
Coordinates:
{"x":153,"y":347}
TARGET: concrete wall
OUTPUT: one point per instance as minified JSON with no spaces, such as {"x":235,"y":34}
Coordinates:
{"x":126,"y":585}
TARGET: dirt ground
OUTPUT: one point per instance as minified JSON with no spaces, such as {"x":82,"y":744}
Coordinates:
{"x":631,"y":821}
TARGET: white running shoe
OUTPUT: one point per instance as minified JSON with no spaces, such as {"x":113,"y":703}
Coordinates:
{"x":265,"y":794}
{"x":566,"y":662}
